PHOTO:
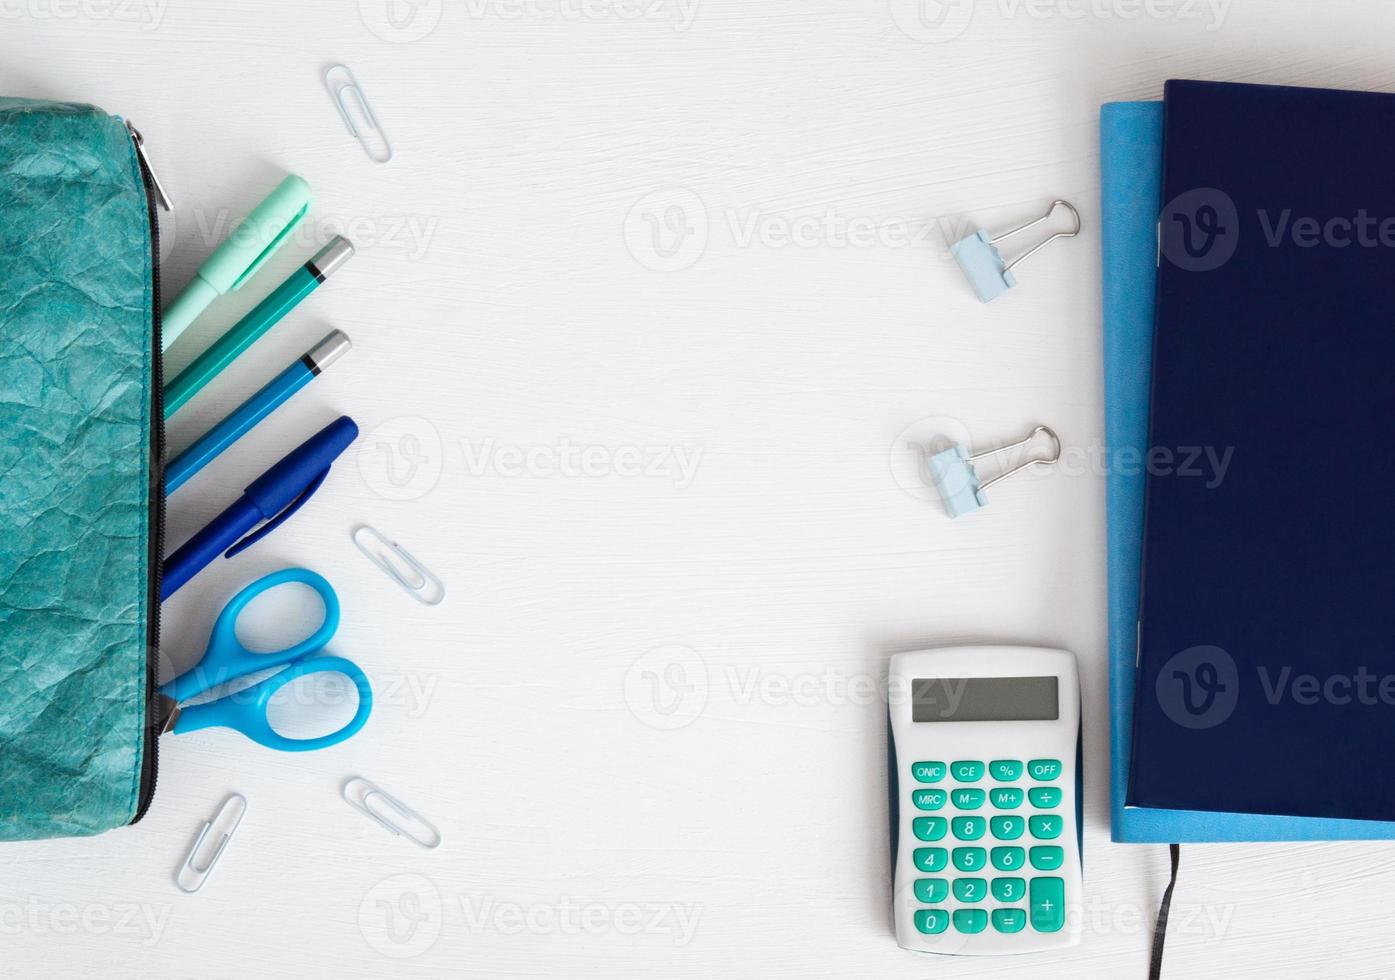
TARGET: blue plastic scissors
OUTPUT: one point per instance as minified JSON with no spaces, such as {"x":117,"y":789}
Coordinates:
{"x":227,"y":659}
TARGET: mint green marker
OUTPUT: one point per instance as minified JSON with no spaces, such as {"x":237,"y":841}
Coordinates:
{"x":250,"y":328}
{"x":239,"y":258}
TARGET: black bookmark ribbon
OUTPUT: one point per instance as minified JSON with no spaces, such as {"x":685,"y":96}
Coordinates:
{"x":1160,"y":930}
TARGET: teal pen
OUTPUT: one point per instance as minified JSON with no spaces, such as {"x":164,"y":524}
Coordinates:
{"x":234,"y":263}
{"x":250,"y":328}
{"x":251,"y":412}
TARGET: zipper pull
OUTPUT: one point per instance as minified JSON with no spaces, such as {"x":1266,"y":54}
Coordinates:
{"x":139,"y":141}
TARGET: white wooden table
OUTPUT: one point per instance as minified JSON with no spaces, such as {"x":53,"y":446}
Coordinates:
{"x":646,"y":313}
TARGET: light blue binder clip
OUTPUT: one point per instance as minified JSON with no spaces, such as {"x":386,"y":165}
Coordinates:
{"x":958,"y":482}
{"x":983,"y":264}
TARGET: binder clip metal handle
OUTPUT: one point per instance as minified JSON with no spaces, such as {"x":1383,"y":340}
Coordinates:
{"x":958,"y":482}
{"x":983,"y":264}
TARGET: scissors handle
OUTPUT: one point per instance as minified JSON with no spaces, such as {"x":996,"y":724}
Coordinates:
{"x":226,"y":658}
{"x":245,"y":711}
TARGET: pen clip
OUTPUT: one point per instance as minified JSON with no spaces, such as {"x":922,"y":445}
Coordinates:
{"x":270,"y":249}
{"x":280,"y":518}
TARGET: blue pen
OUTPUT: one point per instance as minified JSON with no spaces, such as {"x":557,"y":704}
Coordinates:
{"x":256,"y":408}
{"x":273,"y":497}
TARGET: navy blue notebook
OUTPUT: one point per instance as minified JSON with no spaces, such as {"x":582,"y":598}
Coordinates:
{"x":1267,"y":628}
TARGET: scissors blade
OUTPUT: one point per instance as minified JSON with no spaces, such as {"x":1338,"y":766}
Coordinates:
{"x":169,"y":709}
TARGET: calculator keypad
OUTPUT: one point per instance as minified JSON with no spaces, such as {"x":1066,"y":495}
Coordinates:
{"x":932,"y":890}
{"x":970,"y":889}
{"x":969,"y":858}
{"x":967,"y":799}
{"x":1001,"y":886}
{"x":929,"y":799}
{"x":1007,"y":828}
{"x":1045,"y":826}
{"x":1008,"y":858}
{"x":1006,"y":770}
{"x":928,"y":828}
{"x":966,"y":772}
{"x":970,"y":920}
{"x":928,"y":772}
{"x":1004,"y":890}
{"x":1007,"y":799}
{"x":969,"y":828}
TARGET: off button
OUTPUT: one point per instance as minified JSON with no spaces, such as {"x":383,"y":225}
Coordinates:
{"x":1044,"y":770}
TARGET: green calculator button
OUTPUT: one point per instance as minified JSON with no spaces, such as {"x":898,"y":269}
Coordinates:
{"x":1006,"y":799}
{"x":931,"y":859}
{"x":970,"y":920}
{"x":967,"y":799}
{"x":966,"y":772}
{"x":1009,"y":889}
{"x":970,"y":858}
{"x":1044,"y":770}
{"x":932,"y":922}
{"x":1008,"y":858}
{"x":1007,"y":828}
{"x":970,"y":889}
{"x":931,"y":890}
{"x":1044,"y":797}
{"x":928,"y":828}
{"x":1005,"y":770}
{"x":1047,"y":858}
{"x":928,"y":772}
{"x":1045,"y":826}
{"x":1048,"y":904}
{"x":1009,"y":920}
{"x":929,"y":799}
{"x":969,"y":828}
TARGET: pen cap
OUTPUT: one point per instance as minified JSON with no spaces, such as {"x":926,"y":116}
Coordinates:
{"x":258,"y":237}
{"x":185,"y":310}
{"x":327,"y":351}
{"x":279,"y":486}
{"x":328,"y":259}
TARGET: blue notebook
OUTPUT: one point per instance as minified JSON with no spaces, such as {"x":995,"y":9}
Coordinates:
{"x":1131,"y":147}
{"x":1266,"y":627}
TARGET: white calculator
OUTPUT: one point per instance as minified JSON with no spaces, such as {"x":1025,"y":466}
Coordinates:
{"x":984,"y":754}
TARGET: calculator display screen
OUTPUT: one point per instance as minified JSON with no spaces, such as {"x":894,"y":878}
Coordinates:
{"x":984,"y":699}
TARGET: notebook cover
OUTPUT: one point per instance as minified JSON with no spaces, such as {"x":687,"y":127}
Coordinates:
{"x":1266,"y":623}
{"x":1131,"y":142}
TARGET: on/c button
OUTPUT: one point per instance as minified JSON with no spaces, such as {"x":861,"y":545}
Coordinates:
{"x":928,"y":772}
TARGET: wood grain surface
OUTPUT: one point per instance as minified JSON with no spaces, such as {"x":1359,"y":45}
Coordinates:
{"x":648,"y":312}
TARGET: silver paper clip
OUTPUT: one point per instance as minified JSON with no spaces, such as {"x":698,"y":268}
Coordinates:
{"x":983,"y":264}
{"x":429,"y":841}
{"x":425,"y":586}
{"x":342,"y":83}
{"x":200,"y":873}
{"x":958,"y":482}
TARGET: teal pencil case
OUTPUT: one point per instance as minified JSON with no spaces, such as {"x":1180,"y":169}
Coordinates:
{"x":81,"y":494}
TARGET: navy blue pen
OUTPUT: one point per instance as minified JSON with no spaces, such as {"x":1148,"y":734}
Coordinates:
{"x":273,"y":497}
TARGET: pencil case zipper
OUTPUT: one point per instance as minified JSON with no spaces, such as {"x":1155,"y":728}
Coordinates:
{"x":154,"y":720}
